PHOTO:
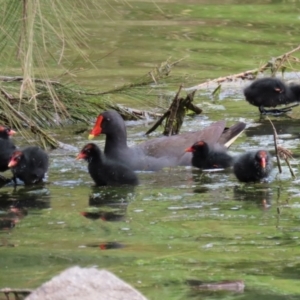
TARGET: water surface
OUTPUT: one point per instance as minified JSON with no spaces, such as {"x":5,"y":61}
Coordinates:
{"x":180,"y":223}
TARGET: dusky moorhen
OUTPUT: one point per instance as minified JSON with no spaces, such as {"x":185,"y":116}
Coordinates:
{"x":205,"y":156}
{"x":270,"y":92}
{"x":253,"y":166}
{"x":7,"y":147}
{"x":105,"y":171}
{"x":157,"y":153}
{"x":29,"y":165}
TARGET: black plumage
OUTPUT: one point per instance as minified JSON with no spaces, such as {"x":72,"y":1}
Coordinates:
{"x":270,"y":92}
{"x":208,"y":157}
{"x":161,"y":152}
{"x":253,"y":166}
{"x":104,"y":171}
{"x":29,"y":165}
{"x":7,"y":147}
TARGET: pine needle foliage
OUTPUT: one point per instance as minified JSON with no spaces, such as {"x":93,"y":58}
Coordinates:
{"x":35,"y":37}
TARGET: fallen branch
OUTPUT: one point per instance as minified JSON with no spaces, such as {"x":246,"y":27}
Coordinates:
{"x":175,"y":114}
{"x":7,"y":291}
{"x":20,"y":78}
{"x":275,"y":64}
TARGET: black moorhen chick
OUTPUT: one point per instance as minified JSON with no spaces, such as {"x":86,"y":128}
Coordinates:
{"x":104,"y":171}
{"x":270,"y":92}
{"x":6,"y":147}
{"x":253,"y":166}
{"x":29,"y":165}
{"x":157,"y":153}
{"x":207,"y":157}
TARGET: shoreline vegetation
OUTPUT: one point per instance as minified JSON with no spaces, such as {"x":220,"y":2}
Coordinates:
{"x":39,"y":33}
{"x":57,"y":104}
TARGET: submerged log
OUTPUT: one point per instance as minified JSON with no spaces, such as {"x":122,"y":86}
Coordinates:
{"x":224,"y":285}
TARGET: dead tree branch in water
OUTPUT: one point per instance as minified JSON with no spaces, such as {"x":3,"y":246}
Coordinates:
{"x":274,"y":65}
{"x":175,"y":114}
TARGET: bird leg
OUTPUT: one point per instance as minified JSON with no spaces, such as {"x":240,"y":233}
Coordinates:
{"x":15,"y":181}
{"x":276,"y":112}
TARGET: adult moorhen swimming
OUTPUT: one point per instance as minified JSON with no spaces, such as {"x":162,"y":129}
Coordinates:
{"x":253,"y":166}
{"x":270,"y":92}
{"x":157,"y":153}
{"x":29,"y":165}
{"x":7,"y":147}
{"x":105,"y":171}
{"x":205,"y":156}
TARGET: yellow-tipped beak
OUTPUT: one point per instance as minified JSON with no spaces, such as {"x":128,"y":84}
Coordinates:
{"x":91,"y":136}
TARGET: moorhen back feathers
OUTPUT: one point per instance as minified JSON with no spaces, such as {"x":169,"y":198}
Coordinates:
{"x":208,"y":157}
{"x":7,"y":147}
{"x":29,"y":164}
{"x":157,"y":153}
{"x":105,"y":171}
{"x":253,"y":166}
{"x":270,"y":92}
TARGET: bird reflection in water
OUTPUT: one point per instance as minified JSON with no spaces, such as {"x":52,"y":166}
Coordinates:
{"x":262,"y":196}
{"x":17,"y":204}
{"x":110,"y":205}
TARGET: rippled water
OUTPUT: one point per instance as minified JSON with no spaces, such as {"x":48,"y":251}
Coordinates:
{"x":180,"y":223}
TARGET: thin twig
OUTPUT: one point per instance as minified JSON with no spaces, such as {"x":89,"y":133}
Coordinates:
{"x":158,"y":122}
{"x":275,"y":145}
{"x":250,"y":74}
{"x":281,"y":152}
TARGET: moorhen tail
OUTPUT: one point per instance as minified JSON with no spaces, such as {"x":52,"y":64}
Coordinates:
{"x":157,"y":153}
{"x":29,"y":165}
{"x":270,"y":92}
{"x":105,"y":171}
{"x":207,"y":157}
{"x":253,"y":166}
{"x":6,"y":147}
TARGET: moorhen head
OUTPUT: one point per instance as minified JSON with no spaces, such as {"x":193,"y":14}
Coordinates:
{"x":253,"y":166}
{"x":6,"y":132}
{"x":157,"y":153}
{"x":29,"y":165}
{"x":105,"y":171}
{"x":7,"y":147}
{"x":270,"y":92}
{"x":207,"y":157}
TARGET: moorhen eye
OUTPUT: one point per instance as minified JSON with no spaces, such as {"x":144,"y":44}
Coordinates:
{"x":270,"y":92}
{"x":29,"y":165}
{"x":157,"y":153}
{"x":253,"y":166}
{"x":210,"y":157}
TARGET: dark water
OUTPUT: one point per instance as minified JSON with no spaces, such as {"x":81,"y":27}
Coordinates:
{"x":178,"y":224}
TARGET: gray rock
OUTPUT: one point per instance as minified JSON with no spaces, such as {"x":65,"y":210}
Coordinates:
{"x":85,"y":283}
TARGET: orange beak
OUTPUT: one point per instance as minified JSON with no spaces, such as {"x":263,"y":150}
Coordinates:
{"x":97,"y":128}
{"x":12,"y":132}
{"x":80,"y":156}
{"x":190,"y":149}
{"x":263,"y":162}
{"x":12,"y":163}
